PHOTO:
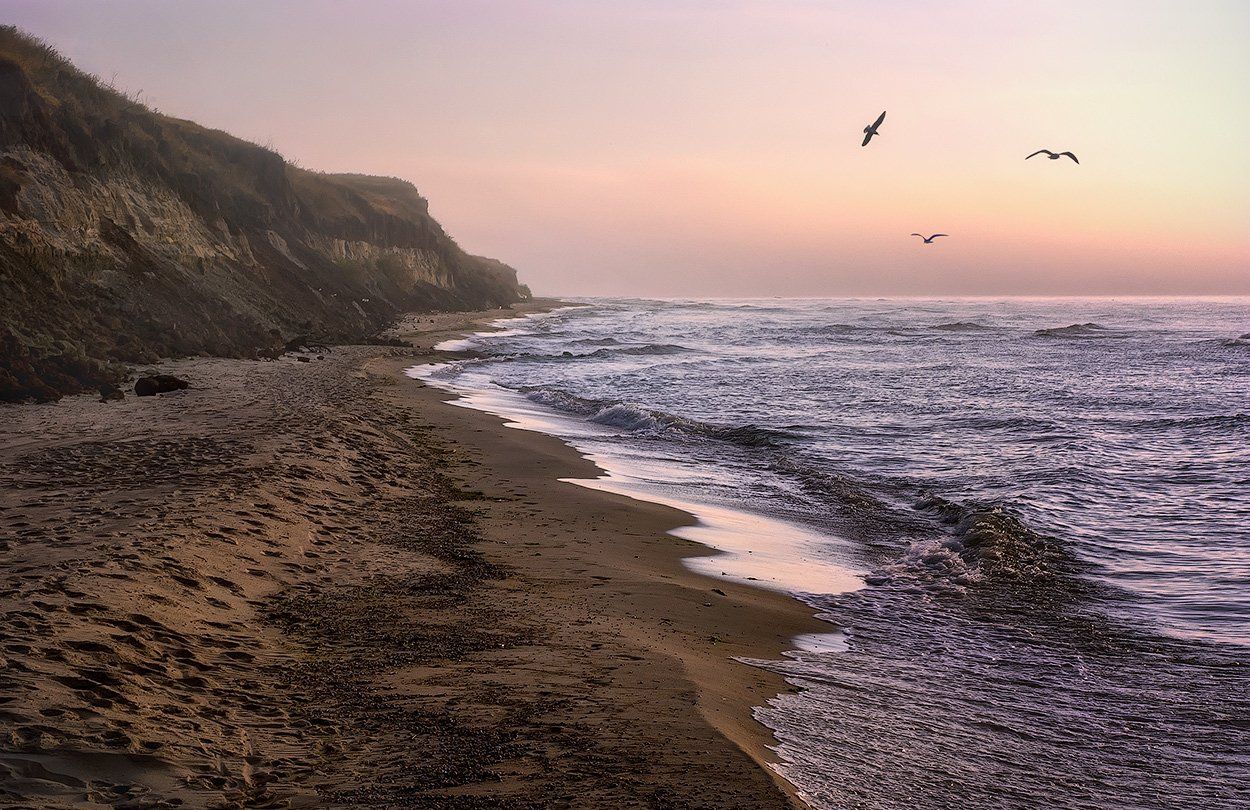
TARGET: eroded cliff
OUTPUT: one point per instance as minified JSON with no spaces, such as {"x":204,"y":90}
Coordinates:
{"x":126,"y":235}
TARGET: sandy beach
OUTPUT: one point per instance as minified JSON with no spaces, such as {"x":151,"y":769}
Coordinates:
{"x":316,"y":584}
{"x":888,"y":448}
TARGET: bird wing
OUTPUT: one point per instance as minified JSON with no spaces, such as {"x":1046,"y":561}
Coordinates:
{"x":918,"y":234}
{"x":867,"y":138}
{"x":936,"y":235}
{"x":1069,"y":154}
{"x":880,"y":118}
{"x":1040,"y":152}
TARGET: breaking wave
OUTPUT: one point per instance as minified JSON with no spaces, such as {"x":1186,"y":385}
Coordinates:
{"x":961,"y":326}
{"x":637,"y":419}
{"x":1055,"y":532}
{"x":1074,"y":330}
{"x":643,"y":351}
{"x":607,"y":350}
{"x":982,"y":545}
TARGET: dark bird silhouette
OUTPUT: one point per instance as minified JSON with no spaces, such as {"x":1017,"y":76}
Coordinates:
{"x":871,"y":129}
{"x":1054,"y":155}
{"x":929,"y":240}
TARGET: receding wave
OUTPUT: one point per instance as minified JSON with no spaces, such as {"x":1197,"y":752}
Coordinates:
{"x":1074,"y":330}
{"x":638,"y":419}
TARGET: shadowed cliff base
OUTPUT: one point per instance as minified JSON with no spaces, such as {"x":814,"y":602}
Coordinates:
{"x":127,"y":235}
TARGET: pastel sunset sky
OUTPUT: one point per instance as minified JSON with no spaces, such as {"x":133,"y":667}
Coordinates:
{"x":707,"y":148}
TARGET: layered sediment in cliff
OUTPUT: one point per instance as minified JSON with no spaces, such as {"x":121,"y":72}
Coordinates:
{"x":126,"y":235}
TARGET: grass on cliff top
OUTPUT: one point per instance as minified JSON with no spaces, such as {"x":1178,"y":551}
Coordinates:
{"x":217,"y":173}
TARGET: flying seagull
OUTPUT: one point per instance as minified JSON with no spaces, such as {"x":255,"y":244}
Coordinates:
{"x":871,"y":130}
{"x":929,"y":240}
{"x":1053,"y":155}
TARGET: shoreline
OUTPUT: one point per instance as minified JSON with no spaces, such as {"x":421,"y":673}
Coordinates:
{"x":279,"y":584}
{"x":727,"y":706}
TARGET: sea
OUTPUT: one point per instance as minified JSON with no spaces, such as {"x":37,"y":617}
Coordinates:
{"x":1027,"y":521}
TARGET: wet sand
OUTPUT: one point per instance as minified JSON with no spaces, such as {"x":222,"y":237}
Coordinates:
{"x":316,"y":584}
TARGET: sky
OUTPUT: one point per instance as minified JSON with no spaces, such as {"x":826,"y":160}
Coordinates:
{"x":698,"y":148}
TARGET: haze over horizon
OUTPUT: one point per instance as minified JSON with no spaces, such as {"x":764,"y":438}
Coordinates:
{"x":688,"y":148}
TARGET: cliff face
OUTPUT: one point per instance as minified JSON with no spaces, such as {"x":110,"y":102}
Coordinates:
{"x":126,"y":235}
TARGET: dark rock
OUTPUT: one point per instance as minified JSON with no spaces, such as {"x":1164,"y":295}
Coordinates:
{"x":304,"y":343}
{"x":158,"y":384}
{"x":304,"y":359}
{"x":110,"y":393}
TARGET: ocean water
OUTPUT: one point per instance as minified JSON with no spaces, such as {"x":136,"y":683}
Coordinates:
{"x":1029,"y":517}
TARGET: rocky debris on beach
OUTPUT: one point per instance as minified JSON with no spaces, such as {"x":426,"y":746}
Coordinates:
{"x":110,"y":393}
{"x":303,"y":343}
{"x":158,"y":384}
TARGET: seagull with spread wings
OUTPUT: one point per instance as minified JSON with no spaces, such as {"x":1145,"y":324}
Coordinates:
{"x":1054,"y":155}
{"x":929,"y":240}
{"x":871,"y":129}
